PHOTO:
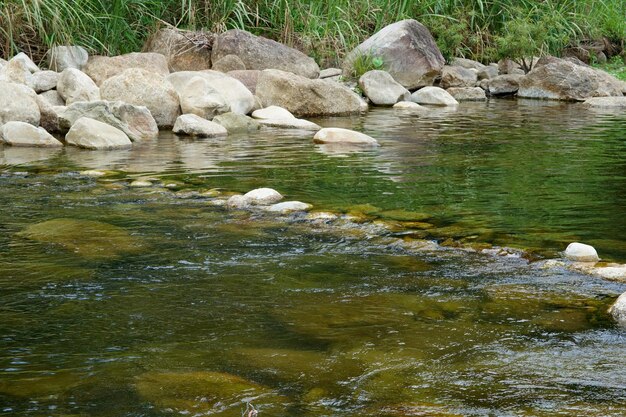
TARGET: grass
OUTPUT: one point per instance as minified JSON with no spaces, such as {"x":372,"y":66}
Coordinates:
{"x":616,"y":67}
{"x":326,"y":29}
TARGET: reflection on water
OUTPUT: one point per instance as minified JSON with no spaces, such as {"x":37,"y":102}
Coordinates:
{"x":166,"y":305}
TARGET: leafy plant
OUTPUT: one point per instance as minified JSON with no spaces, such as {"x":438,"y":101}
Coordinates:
{"x":365,"y":62}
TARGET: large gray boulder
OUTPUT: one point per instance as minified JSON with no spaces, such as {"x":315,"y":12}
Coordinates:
{"x":232,"y":92}
{"x":564,"y":80}
{"x":306,"y":97}
{"x":74,"y":85}
{"x":192,"y":125}
{"x":249,"y":78}
{"x":259,"y":53}
{"x":18,"y":103}
{"x":63,"y":57}
{"x":458,"y":77}
{"x":101,"y":68}
{"x":408,"y":51}
{"x":382,"y":89}
{"x":135,"y":121}
{"x":144,"y":88}
{"x":183,"y":50}
{"x":434,"y":96}
{"x":92,"y":134}
{"x":504,"y":84}
{"x":618,"y":310}
{"x":229,"y":63}
{"x":25,"y":134}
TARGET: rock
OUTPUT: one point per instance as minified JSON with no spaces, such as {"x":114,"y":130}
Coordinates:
{"x":238,"y":98}
{"x":579,"y":252}
{"x":613,"y":273}
{"x":606,"y":102}
{"x":193,"y":125}
{"x":545,"y":60}
{"x":290,"y":123}
{"x":52,"y":97}
{"x":237,"y":202}
{"x":382,"y":89}
{"x":343,"y":136}
{"x":16,"y":71}
{"x":44,"y":81}
{"x":249,"y":78}
{"x":434,"y":96}
{"x":408,"y":51}
{"x":237,"y":123}
{"x":467,"y":64}
{"x":89,"y":239}
{"x":508,"y":66}
{"x":18,"y":103}
{"x":259,"y":53}
{"x":504,"y":84}
{"x":289,"y":207}
{"x":262,"y":196}
{"x":467,"y":93}
{"x":140,"y":184}
{"x":92,"y":134}
{"x":305,"y":97}
{"x":101,"y":68}
{"x":488,"y":73}
{"x":135,"y":121}
{"x":61,"y":58}
{"x":24,"y":134}
{"x":458,"y":77}
{"x":330,"y":73}
{"x":563,"y":80}
{"x":198,"y":97}
{"x":74,"y":85}
{"x":272,"y":112}
{"x":618,"y":310}
{"x":49,"y":119}
{"x":407,"y":105}
{"x":183,"y":50}
{"x":143,"y":88}
{"x":28,"y":63}
{"x":229,"y":63}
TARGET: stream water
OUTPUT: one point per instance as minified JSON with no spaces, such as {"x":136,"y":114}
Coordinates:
{"x":123,"y":301}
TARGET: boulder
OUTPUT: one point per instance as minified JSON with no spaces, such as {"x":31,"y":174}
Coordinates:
{"x":262,"y":196}
{"x":488,"y":73}
{"x":25,"y":134}
{"x":289,"y":123}
{"x":43,"y":81}
{"x":305,"y":97}
{"x":467,"y":93}
{"x":183,"y":50}
{"x":237,"y":97}
{"x":16,"y":71}
{"x":289,"y":207}
{"x":144,"y":88}
{"x":49,"y":119}
{"x":467,"y":64}
{"x":101,"y":68}
{"x":504,"y":84}
{"x":343,"y":136}
{"x":330,"y":73}
{"x":272,"y":112}
{"x":52,"y":97}
{"x":229,"y":63}
{"x":564,"y":80}
{"x":508,"y":66}
{"x":74,"y":85}
{"x":61,"y":58}
{"x":259,"y":53}
{"x":28,"y":63}
{"x":18,"y":103}
{"x":198,"y":97}
{"x":135,"y":121}
{"x":618,"y":310}
{"x":192,"y":125}
{"x":407,"y":105}
{"x":249,"y":78}
{"x":606,"y":102}
{"x":408,"y":51}
{"x":458,"y":77}
{"x":434,"y":96}
{"x":382,"y":89}
{"x":92,"y":134}
{"x":579,"y":252}
{"x":237,"y":123}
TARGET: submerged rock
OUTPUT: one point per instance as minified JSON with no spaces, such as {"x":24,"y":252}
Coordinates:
{"x":289,"y":207}
{"x":579,"y":252}
{"x":433,"y":96}
{"x":237,"y":123}
{"x":290,"y":123}
{"x":337,"y":135}
{"x":606,"y":102}
{"x":93,"y":134}
{"x":193,"y":125}
{"x":25,"y":134}
{"x":408,"y":51}
{"x":86,"y":238}
{"x":618,"y":310}
{"x":382,"y":89}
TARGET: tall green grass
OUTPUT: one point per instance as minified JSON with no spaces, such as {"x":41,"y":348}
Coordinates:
{"x":326,"y":29}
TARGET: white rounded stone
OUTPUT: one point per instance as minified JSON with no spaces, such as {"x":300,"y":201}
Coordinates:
{"x":579,"y":252}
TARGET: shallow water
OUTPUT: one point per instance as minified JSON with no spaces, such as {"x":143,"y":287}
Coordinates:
{"x":176,"y":305}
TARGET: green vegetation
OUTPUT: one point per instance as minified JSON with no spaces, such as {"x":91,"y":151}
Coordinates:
{"x":364,"y":63}
{"x":616,"y":67}
{"x":479,"y":29}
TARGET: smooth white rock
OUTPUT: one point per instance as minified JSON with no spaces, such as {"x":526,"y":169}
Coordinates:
{"x":434,"y":96}
{"x":618,"y":310}
{"x":25,"y":134}
{"x":262,"y":196}
{"x":289,"y":206}
{"x":272,"y":112}
{"x":344,"y":136}
{"x":193,"y":125}
{"x":44,"y":81}
{"x":92,"y":134}
{"x":579,"y":252}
